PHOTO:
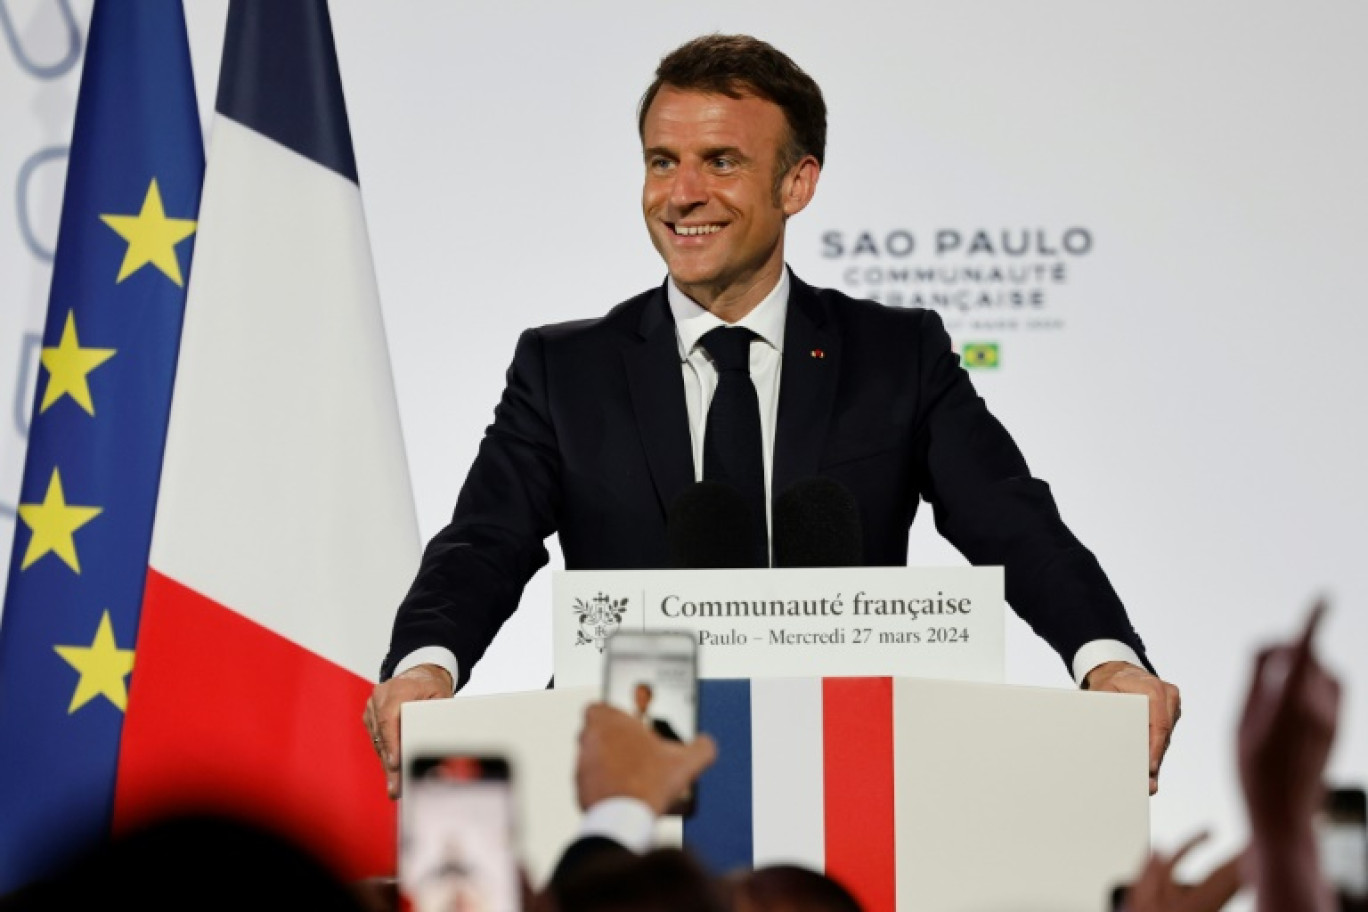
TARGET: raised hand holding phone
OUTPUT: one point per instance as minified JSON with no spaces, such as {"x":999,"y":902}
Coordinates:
{"x":1342,"y":840}
{"x":619,"y":758}
{"x":457,"y":848}
{"x":652,"y":677}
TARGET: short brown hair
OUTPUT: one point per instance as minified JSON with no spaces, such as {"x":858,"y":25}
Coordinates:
{"x":739,"y":65}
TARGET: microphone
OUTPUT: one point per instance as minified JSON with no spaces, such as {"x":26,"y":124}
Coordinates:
{"x":817,"y":524}
{"x":710,"y":526}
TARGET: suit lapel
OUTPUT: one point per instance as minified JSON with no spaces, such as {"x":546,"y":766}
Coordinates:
{"x":656,"y":384}
{"x":807,"y":387}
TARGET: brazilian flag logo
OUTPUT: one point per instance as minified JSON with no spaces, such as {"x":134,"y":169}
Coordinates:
{"x":981,"y":355}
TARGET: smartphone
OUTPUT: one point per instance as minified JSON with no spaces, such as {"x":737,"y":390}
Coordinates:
{"x":457,"y":846}
{"x":653,"y":676}
{"x":1342,"y":835}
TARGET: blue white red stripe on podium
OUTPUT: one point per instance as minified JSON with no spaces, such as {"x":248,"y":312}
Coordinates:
{"x":805,"y":774}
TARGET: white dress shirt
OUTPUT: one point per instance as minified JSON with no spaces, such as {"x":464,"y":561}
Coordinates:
{"x":628,"y":821}
{"x":766,"y":320}
{"x":692,"y":322}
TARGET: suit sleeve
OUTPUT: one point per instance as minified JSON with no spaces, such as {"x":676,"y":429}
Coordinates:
{"x":473,"y":572}
{"x":665,"y":730}
{"x":990,"y":507}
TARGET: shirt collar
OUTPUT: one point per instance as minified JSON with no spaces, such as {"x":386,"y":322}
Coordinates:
{"x":766,"y":320}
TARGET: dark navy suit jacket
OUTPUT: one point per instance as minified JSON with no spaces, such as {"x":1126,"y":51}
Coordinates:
{"x":591,"y":441}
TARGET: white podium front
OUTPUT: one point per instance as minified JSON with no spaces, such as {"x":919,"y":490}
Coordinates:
{"x":1001,"y":797}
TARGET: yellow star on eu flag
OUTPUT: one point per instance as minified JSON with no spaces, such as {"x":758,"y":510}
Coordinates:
{"x":68,"y":367}
{"x":54,"y":523}
{"x":151,"y":236}
{"x":103,"y":667}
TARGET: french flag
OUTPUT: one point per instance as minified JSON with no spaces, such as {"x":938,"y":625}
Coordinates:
{"x":285,"y":528}
{"x":805,"y":775}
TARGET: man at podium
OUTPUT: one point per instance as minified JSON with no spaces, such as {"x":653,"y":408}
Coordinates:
{"x":735,"y":372}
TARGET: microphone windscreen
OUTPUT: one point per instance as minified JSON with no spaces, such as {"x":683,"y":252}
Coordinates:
{"x":817,"y":524}
{"x":710,"y":526}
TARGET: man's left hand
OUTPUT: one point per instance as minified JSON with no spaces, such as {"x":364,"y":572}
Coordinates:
{"x":1165,"y":705}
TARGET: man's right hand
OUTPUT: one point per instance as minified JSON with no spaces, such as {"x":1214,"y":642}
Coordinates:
{"x":422,"y":682}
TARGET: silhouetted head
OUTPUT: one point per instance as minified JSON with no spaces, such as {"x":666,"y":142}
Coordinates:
{"x":789,"y":888}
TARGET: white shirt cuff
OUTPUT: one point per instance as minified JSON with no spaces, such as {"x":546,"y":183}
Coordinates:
{"x":429,"y":655}
{"x":1094,"y":653}
{"x":627,"y":821}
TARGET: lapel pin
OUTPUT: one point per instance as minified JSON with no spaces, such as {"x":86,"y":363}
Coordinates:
{"x":818,"y":354}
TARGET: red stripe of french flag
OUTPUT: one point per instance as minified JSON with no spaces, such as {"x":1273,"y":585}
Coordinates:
{"x":857,"y":722}
{"x":248,"y":719}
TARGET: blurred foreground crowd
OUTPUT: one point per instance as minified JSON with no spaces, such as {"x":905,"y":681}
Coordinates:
{"x":1282,"y":745}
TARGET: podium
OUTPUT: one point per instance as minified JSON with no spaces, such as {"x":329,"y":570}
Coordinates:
{"x":916,"y":791}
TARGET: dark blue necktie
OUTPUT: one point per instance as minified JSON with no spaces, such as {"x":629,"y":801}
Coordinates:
{"x":733,"y":450}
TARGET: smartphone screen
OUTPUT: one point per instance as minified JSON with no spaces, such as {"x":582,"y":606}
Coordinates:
{"x":653,"y":676}
{"x":1342,"y":832}
{"x":456,"y":846}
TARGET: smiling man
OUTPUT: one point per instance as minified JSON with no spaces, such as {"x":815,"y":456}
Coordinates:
{"x":722,"y":178}
{"x":734,"y":370}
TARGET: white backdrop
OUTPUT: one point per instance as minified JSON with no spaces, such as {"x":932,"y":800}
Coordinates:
{"x":1188,"y":381}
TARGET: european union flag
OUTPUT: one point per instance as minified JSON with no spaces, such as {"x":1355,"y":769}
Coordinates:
{"x":70,"y":621}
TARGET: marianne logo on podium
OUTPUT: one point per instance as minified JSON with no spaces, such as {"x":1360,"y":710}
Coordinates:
{"x":599,"y":618}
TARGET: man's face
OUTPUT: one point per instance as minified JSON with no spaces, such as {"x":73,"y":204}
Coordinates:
{"x":709,"y":197}
{"x":643,"y":697}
